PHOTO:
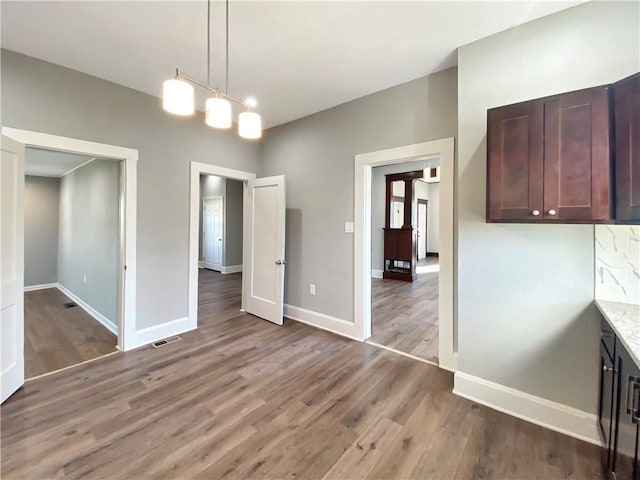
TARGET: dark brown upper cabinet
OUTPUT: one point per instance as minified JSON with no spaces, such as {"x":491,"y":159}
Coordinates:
{"x":626,"y":103}
{"x":549,"y":160}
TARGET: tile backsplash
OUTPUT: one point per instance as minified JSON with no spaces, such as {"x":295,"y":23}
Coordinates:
{"x":617,"y":263}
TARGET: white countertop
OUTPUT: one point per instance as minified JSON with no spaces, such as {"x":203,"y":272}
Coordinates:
{"x":624,"y":318}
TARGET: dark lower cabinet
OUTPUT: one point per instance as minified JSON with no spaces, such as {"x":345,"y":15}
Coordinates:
{"x":625,"y":461}
{"x":605,"y":405}
{"x":618,"y":407}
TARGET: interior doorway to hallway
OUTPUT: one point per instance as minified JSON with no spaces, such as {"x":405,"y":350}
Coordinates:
{"x":404,"y":258}
{"x":443,"y":149}
{"x":220,"y":246}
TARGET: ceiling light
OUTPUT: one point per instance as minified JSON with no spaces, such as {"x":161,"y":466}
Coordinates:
{"x":249,"y":125}
{"x":218,"y":112}
{"x":177,"y":94}
{"x":177,"y":97}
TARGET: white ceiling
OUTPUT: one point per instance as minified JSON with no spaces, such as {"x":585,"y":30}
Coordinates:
{"x":52,"y":163}
{"x":296,"y":58}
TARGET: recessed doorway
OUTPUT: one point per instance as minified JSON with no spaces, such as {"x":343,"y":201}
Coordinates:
{"x":404,"y":258}
{"x":364,"y":163}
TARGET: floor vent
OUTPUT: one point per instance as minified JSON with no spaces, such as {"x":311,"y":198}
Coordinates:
{"x":70,"y":305}
{"x":165,"y":341}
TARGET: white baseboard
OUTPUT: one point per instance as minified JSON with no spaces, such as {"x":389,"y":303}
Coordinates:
{"x":200,"y":264}
{"x":376,"y":273}
{"x":42,"y":286}
{"x":232,"y":269}
{"x":554,"y":416}
{"x":320,"y":320}
{"x":147,"y":335}
{"x":108,"y":324}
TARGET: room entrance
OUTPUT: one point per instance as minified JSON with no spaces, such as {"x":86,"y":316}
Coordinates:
{"x":72,"y":227}
{"x":15,"y":144}
{"x":404,"y":259}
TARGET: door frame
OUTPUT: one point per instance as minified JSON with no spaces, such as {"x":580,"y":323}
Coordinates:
{"x":128,"y":198}
{"x":197,"y":169}
{"x":364,"y":162}
{"x":224,"y":230}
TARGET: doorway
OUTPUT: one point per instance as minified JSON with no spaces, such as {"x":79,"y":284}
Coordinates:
{"x":257,"y":251}
{"x":364,"y":164}
{"x":126,"y":257}
{"x":404,"y":260}
{"x":72,"y":224}
{"x":221,"y":238}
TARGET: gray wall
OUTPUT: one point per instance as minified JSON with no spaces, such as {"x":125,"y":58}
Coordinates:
{"x":41,"y":200}
{"x":316,"y":154}
{"x":233,"y":223}
{"x":231,"y":191}
{"x":47,"y":98}
{"x":525,"y":318}
{"x":89,"y":233}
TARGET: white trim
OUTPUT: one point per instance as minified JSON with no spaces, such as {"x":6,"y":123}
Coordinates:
{"x":363,"y":163}
{"x":42,"y":286}
{"x":320,"y":320}
{"x":158,"y":332}
{"x":538,"y":410}
{"x":127,"y":258}
{"x":231,"y":269}
{"x":376,"y":273}
{"x":106,"y":323}
{"x":197,"y":169}
{"x":200,"y":264}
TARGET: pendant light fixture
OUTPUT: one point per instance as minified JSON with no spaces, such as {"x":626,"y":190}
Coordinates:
{"x":178,"y":94}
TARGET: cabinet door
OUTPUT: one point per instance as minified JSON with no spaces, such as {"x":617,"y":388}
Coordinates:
{"x":577,"y":166}
{"x":605,"y":404}
{"x":628,"y":409}
{"x":515,"y":162}
{"x":627,"y":157}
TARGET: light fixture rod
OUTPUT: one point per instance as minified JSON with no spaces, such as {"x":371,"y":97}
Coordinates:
{"x":226,"y":56}
{"x":215,"y":90}
{"x":209,"y":42}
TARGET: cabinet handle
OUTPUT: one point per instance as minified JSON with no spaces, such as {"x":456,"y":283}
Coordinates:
{"x":633,"y":388}
{"x":606,"y":369}
{"x":552,"y":212}
{"x":535,"y":213}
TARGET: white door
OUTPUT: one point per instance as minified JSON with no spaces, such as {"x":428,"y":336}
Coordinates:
{"x":12,"y":268}
{"x":212,"y":231}
{"x":422,"y":230}
{"x":264,"y":254}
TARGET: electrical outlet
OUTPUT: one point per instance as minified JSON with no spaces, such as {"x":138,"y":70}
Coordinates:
{"x":85,"y":278}
{"x":312,"y":289}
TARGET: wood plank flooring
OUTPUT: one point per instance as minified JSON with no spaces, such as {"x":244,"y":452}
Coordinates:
{"x":243,"y":398}
{"x":404,"y":315}
{"x":56,"y":337}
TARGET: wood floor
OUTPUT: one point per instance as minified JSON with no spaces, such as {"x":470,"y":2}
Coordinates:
{"x":404,"y":315}
{"x":243,"y":398}
{"x":56,"y":337}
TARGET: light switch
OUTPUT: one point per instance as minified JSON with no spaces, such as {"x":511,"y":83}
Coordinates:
{"x":348,"y":227}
